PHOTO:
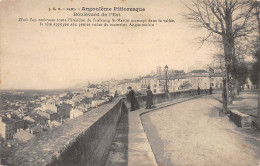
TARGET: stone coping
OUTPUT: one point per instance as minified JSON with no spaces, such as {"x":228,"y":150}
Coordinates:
{"x":239,"y":113}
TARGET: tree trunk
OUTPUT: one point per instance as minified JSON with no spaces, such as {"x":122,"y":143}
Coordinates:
{"x":228,"y":44}
{"x":258,"y":87}
{"x":238,"y":88}
{"x":224,"y":96}
{"x":258,"y":52}
{"x":226,"y":79}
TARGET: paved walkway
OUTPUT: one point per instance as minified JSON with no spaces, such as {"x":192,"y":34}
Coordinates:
{"x":140,"y":152}
{"x":130,"y":145}
{"x":192,"y":133}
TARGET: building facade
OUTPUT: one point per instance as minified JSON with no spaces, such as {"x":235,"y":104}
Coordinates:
{"x":204,"y":79}
{"x":7,"y":127}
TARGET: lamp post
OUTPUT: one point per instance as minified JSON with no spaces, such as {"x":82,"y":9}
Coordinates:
{"x":166,"y":86}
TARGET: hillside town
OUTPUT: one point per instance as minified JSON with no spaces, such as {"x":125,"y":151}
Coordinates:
{"x":118,"y":83}
{"x":22,"y":119}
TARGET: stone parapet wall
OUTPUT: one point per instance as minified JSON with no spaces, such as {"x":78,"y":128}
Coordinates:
{"x":84,"y":140}
{"x":163,"y":97}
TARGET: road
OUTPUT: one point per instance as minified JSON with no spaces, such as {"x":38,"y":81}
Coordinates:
{"x":193,"y":133}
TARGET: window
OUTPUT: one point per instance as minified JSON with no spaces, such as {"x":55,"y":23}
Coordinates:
{"x":212,"y":84}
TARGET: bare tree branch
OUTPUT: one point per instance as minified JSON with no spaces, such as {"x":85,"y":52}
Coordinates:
{"x":228,"y":20}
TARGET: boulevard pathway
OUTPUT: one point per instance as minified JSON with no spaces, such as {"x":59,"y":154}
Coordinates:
{"x":130,"y":145}
{"x":192,"y":133}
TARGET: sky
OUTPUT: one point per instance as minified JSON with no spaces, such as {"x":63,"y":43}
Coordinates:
{"x":40,"y":57}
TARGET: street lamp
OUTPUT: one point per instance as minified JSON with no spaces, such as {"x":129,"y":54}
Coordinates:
{"x":166,"y":86}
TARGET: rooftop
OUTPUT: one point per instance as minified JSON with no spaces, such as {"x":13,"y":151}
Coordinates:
{"x":16,"y":117}
{"x":198,"y":71}
{"x":23,"y":136}
{"x":92,"y":86}
{"x":7,"y":120}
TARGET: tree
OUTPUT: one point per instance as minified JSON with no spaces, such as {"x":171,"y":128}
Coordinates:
{"x":240,"y":73}
{"x":254,"y":74}
{"x":226,"y":21}
{"x":85,"y":101}
{"x":185,"y":85}
{"x":257,"y":56}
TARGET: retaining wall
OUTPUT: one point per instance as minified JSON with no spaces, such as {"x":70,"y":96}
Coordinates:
{"x":240,"y":119}
{"x":84,"y":140}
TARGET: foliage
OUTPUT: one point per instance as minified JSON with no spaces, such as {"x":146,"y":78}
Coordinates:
{"x":240,"y":72}
{"x":185,"y":85}
{"x":226,"y":21}
{"x":254,"y":73}
{"x":86,"y":100}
